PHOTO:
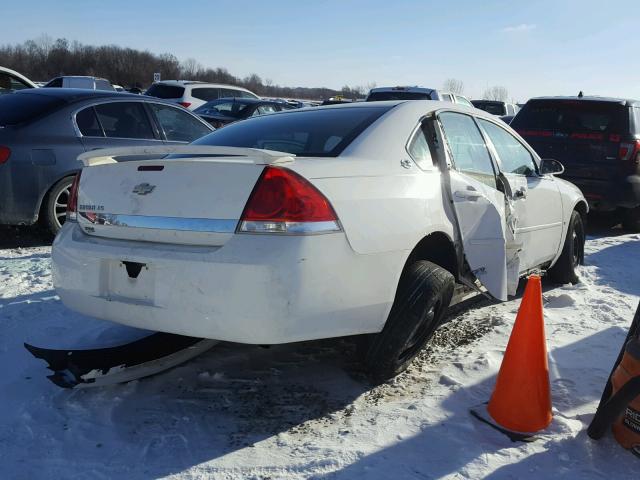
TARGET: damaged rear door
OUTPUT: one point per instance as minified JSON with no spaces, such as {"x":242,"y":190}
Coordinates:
{"x":478,"y":201}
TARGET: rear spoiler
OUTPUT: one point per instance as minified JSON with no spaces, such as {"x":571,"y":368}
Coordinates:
{"x":254,"y":156}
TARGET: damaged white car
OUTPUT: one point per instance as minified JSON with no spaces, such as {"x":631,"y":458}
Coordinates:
{"x":368,"y":218}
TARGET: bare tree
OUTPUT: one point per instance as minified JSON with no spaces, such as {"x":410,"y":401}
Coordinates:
{"x":453,"y":85}
{"x":497,"y":92}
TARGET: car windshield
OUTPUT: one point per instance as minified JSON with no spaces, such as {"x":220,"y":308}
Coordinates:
{"x":19,"y":108}
{"x":311,"y":133}
{"x":228,"y":108}
{"x":569,"y":116}
{"x":160,"y":90}
{"x":494,"y":108}
{"x":397,"y":95}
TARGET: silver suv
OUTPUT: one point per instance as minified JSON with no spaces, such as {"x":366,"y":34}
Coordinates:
{"x":192,"y":94}
{"x":415,"y":93}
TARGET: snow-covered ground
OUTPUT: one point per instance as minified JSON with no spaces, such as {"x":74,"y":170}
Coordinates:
{"x":304,"y":410}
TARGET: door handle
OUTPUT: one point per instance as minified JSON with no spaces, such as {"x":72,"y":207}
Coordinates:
{"x":467,"y":195}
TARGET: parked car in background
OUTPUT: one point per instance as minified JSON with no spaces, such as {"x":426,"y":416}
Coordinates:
{"x":12,"y":81}
{"x":497,"y":108}
{"x":597,"y":140}
{"x":192,"y":94}
{"x":84,"y":82}
{"x":228,"y":110}
{"x":42,"y":132}
{"x":414,"y":93}
{"x":368,"y":218}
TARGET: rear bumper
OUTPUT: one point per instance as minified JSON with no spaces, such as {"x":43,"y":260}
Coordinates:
{"x":258,"y":289}
{"x":610,"y":194}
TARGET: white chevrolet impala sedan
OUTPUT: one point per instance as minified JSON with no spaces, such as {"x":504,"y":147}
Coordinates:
{"x":368,"y":218}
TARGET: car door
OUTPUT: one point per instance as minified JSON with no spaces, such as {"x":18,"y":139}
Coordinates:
{"x":177,"y":125}
{"x":115,"y":124}
{"x":479,"y":207}
{"x":536,"y":198}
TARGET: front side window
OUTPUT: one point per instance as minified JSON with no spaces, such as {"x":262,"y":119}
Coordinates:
{"x":514,"y":157}
{"x":87,"y":123}
{"x":466,"y":145}
{"x":124,"y":120}
{"x":264,"y":109}
{"x":9,"y":83}
{"x":177,"y":124}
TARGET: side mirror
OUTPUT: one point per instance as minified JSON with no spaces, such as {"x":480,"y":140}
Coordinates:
{"x":551,"y":166}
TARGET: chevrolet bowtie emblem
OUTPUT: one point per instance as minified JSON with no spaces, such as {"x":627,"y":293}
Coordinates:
{"x":143,"y":188}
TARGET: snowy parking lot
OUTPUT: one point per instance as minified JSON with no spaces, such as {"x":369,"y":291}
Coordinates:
{"x":304,"y":410}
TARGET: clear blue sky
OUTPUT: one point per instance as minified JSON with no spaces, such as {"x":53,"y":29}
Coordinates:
{"x":535,"y":47}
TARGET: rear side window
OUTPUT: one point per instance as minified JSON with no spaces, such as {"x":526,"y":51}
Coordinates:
{"x":397,"y":95}
{"x":87,"y":123}
{"x":18,"y":108}
{"x":419,"y":150}
{"x":514,"y":157}
{"x":572,"y":116}
{"x":310,"y":133}
{"x":177,"y":124}
{"x":206,"y":94}
{"x":160,"y":90}
{"x":463,"y":101}
{"x":124,"y":120}
{"x":229,"y":92}
{"x":466,"y":145}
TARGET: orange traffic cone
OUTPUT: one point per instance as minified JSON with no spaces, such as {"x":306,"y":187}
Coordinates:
{"x":521,"y":400}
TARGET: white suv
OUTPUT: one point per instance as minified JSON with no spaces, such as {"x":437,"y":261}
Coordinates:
{"x":192,"y":94}
{"x":415,"y":93}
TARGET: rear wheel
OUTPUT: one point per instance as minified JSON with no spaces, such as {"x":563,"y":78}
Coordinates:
{"x":54,"y":212}
{"x":565,"y":269}
{"x":631,"y":219}
{"x":423,"y":295}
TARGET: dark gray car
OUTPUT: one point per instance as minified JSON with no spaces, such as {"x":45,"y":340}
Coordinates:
{"x":42,"y":132}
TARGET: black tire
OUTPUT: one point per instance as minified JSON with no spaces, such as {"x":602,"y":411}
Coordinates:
{"x":54,"y":206}
{"x":422,"y":298}
{"x":564,"y":270}
{"x":631,"y":220}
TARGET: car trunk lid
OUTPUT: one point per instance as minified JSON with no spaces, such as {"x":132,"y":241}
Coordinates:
{"x":192,"y":201}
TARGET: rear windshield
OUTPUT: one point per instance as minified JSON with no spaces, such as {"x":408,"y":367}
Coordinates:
{"x":397,"y":95}
{"x":493,"y":108}
{"x":223,"y":107}
{"x":308,"y":133}
{"x":568,"y":116}
{"x":165,"y":91}
{"x":18,"y":108}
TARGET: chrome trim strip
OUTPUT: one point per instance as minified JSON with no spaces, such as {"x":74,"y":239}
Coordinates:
{"x":211,"y":225}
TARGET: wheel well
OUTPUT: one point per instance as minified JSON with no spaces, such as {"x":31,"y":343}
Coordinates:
{"x":45,"y":196}
{"x":581,"y":208}
{"x":437,"y":248}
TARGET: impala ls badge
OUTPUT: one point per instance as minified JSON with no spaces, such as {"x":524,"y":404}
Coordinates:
{"x":143,"y":188}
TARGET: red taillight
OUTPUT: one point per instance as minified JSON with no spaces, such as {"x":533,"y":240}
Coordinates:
{"x":72,"y":203}
{"x":284,"y":202}
{"x":5,"y":153}
{"x":630,"y":151}
{"x":629,"y":154}
{"x":185,"y":104}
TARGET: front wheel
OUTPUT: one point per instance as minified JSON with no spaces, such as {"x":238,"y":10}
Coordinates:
{"x":54,"y":211}
{"x":423,"y":295}
{"x":565,"y":269}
